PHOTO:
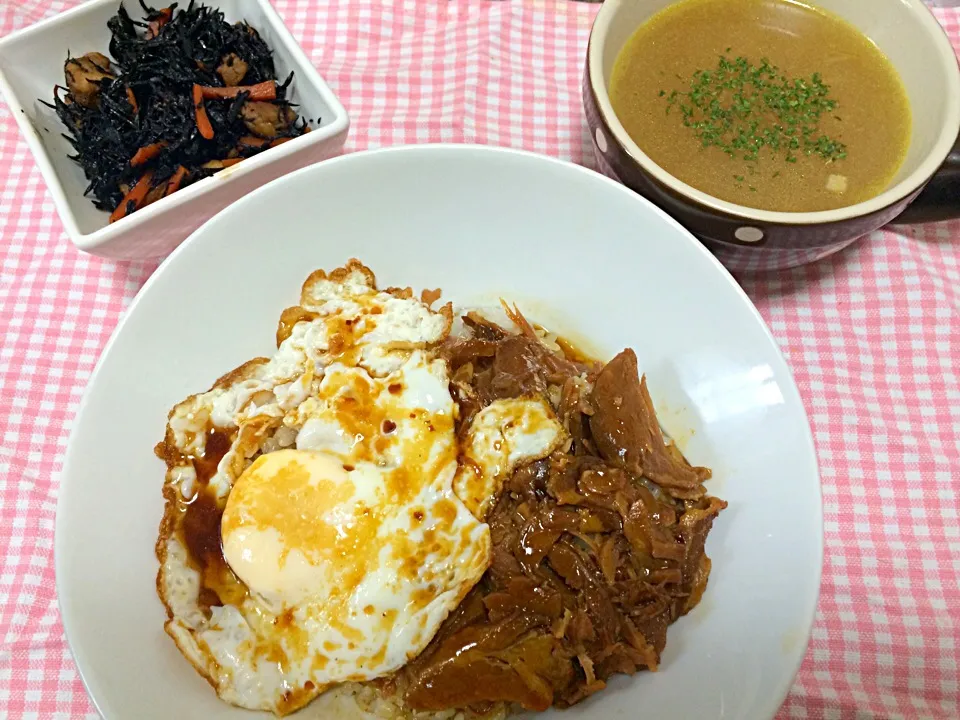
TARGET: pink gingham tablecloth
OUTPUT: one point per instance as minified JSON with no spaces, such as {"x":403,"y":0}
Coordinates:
{"x":872,"y":335}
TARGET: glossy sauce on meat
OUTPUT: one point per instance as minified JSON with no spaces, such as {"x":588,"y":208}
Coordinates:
{"x":597,"y":549}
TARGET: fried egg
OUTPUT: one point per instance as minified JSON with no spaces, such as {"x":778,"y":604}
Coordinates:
{"x":503,"y":436}
{"x":312,"y":535}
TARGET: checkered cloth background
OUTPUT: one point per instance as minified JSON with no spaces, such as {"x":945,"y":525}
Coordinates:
{"x":872,"y":335}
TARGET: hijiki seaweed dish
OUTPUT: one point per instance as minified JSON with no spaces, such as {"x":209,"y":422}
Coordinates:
{"x":186,"y":94}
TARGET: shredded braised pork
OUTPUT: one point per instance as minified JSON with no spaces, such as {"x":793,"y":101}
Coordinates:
{"x":597,"y":549}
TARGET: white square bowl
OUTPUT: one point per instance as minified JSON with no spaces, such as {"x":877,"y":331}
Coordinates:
{"x":31,"y":63}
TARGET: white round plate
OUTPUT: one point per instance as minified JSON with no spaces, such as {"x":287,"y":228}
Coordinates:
{"x":581,"y":255}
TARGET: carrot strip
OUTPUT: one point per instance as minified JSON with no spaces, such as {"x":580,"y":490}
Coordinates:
{"x":173,"y":184}
{"x":132,"y":99}
{"x":280,"y":141}
{"x":267,"y":90}
{"x":147,"y":153}
{"x":135,"y":197}
{"x":153,"y":27}
{"x":203,"y":121}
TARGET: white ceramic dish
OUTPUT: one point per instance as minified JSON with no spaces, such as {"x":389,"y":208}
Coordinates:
{"x":31,"y":63}
{"x":579,"y":253}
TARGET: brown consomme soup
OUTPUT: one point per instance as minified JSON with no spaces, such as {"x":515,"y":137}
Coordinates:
{"x":771,"y":104}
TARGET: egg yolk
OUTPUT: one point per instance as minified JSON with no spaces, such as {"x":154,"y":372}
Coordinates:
{"x":280,"y":524}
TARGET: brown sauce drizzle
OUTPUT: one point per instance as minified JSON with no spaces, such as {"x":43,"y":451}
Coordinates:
{"x":573,"y":352}
{"x":201,"y":530}
{"x":200,"y":524}
{"x":216,"y":446}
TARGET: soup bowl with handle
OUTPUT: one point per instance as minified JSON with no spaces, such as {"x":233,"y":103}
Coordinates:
{"x":926,"y":187}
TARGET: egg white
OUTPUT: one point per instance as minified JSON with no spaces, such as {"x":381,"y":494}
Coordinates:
{"x":503,"y":436}
{"x":354,"y":347}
